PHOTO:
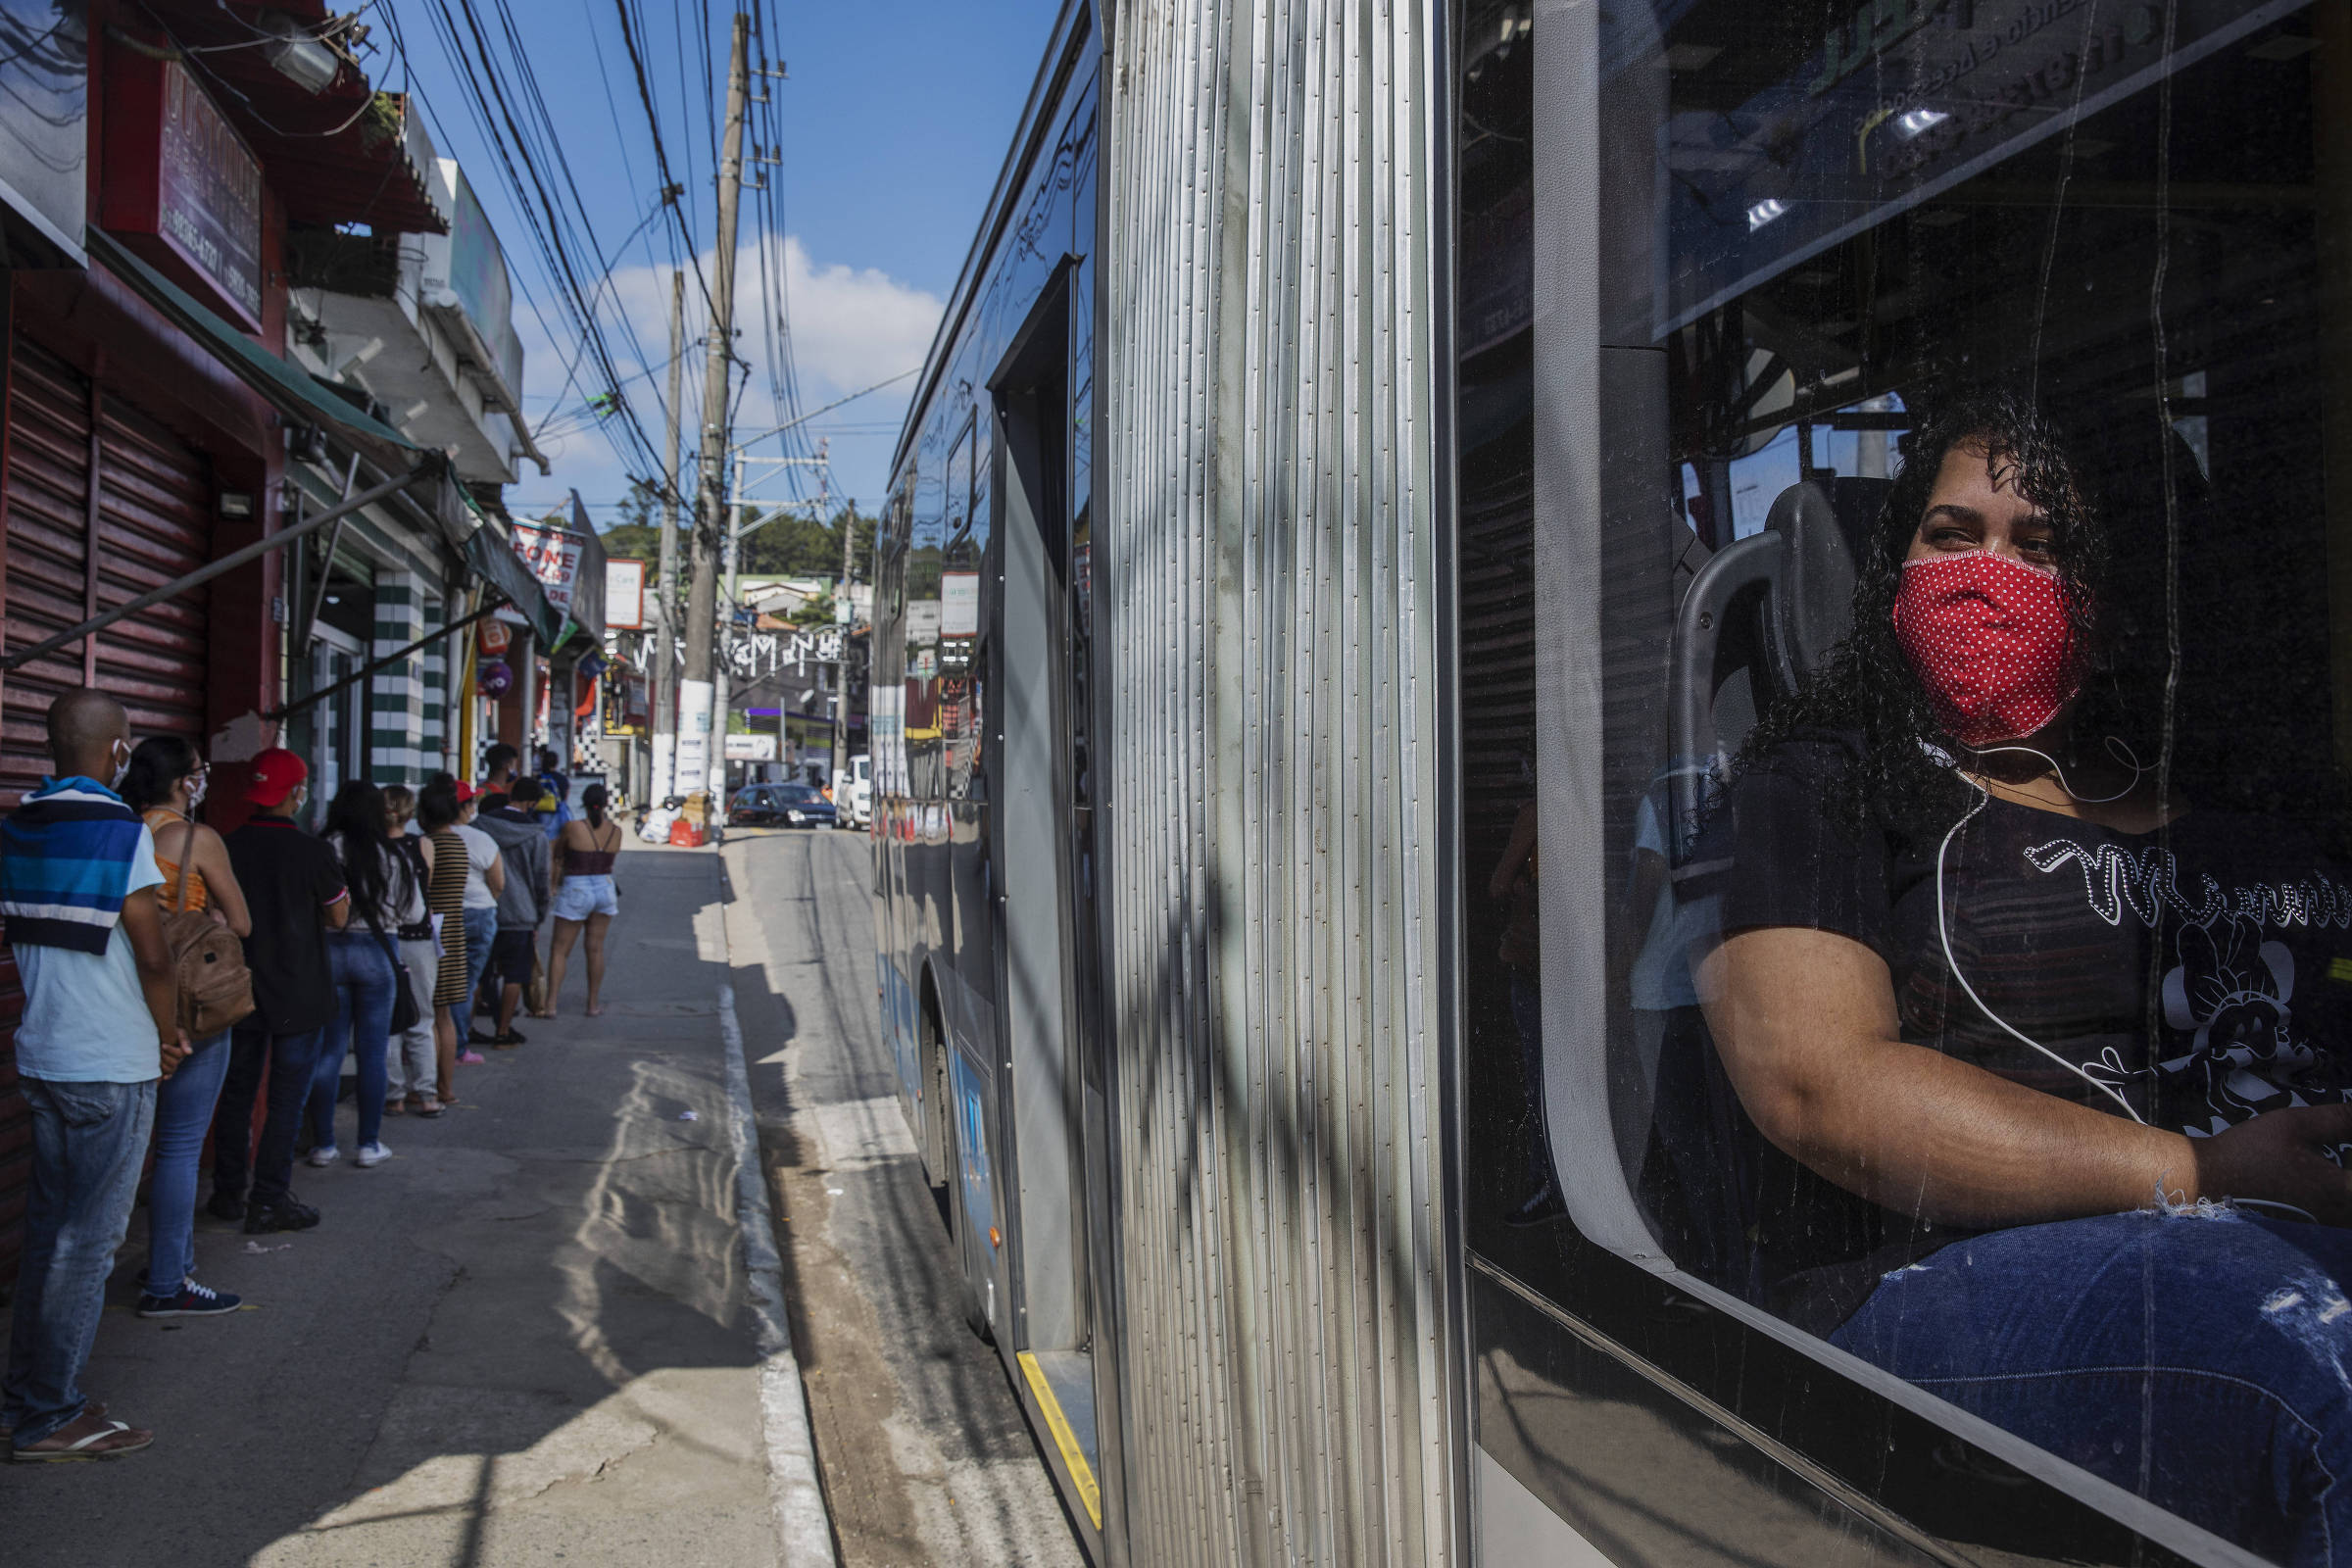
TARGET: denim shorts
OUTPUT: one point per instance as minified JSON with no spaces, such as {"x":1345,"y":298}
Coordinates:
{"x":584,"y":895}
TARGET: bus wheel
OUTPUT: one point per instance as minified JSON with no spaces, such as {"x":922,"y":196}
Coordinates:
{"x":967,"y":1249}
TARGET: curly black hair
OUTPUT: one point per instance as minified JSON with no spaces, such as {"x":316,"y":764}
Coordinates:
{"x":2119,"y":489}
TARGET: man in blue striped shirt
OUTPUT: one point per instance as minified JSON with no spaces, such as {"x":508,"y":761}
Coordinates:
{"x":78,"y":881}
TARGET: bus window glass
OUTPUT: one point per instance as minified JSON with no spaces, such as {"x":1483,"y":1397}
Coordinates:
{"x":1974,"y":653}
{"x":960,"y":620}
{"x":919,"y":631}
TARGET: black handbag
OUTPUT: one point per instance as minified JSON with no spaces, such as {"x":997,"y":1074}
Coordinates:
{"x":406,"y":1013}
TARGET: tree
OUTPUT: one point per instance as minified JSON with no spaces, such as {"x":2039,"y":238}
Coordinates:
{"x":638,"y":533}
{"x":797,"y":545}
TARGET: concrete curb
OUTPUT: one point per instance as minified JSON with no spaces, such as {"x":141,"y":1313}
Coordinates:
{"x":804,"y":1527}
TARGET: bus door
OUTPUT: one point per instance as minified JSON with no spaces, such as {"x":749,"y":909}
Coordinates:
{"x":1045,"y":837}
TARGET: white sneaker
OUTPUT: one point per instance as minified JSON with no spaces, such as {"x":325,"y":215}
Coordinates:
{"x":371,"y":1154}
{"x":323,"y":1156}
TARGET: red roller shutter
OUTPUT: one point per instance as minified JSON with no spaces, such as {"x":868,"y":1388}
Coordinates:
{"x":72,"y":552}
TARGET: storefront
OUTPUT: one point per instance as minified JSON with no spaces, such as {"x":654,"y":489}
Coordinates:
{"x":161,"y":514}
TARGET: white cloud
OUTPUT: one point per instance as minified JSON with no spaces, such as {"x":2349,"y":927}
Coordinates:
{"x":852,"y":326}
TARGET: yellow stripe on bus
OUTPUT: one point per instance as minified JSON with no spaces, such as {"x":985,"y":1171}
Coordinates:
{"x":1082,"y":1473}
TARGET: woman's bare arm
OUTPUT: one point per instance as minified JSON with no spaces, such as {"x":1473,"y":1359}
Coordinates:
{"x":1806,"y":1023}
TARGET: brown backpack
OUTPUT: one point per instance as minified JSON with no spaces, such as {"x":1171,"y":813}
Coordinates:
{"x":215,"y":990}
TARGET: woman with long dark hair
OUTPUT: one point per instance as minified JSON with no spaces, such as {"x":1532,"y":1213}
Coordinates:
{"x":385,"y":896}
{"x":2036,"y":1035}
{"x":437,"y":813}
{"x":585,"y":894}
{"x":166,"y":785}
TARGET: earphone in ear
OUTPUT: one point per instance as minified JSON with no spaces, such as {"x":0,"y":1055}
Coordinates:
{"x":2115,"y":749}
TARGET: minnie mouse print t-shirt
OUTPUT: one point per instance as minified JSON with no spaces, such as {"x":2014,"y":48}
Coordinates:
{"x":2203,"y":971}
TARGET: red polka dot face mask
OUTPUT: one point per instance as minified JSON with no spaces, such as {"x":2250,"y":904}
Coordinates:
{"x":1991,"y":642}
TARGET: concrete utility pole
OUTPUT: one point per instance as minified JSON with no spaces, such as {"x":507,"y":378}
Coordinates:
{"x":844,"y":617}
{"x":699,"y":751}
{"x":666,"y":602}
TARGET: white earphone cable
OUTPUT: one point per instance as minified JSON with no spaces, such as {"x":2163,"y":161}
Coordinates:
{"x":1944,"y":930}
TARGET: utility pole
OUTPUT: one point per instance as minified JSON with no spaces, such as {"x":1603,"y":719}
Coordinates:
{"x":700,"y":755}
{"x":844,"y":617}
{"x":665,"y":590}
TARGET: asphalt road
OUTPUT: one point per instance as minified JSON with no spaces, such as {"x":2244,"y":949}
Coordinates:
{"x":925,"y":1454}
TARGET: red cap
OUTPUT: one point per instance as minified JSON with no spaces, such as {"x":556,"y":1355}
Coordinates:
{"x":465,"y":792}
{"x":275,"y":774}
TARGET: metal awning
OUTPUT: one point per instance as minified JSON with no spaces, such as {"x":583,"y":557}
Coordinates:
{"x":290,"y":390}
{"x":491,"y":552}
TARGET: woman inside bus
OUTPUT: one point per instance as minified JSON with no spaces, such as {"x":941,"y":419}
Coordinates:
{"x":2047,"y":1050}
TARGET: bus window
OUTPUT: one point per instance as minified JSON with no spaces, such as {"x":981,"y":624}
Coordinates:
{"x":1970,"y":984}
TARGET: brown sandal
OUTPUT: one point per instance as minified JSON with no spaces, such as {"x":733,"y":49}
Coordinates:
{"x":88,"y":1436}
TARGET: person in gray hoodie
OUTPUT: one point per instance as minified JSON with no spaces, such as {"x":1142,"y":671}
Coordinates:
{"x":521,"y":904}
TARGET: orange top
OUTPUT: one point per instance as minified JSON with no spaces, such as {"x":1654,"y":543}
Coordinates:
{"x":169,"y":826}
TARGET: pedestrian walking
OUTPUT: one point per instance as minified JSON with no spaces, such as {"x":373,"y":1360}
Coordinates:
{"x":485,"y":876}
{"x":445,"y":906}
{"x":410,"y":1066}
{"x":294,"y":886}
{"x":554,"y":794}
{"x":585,"y":895}
{"x":498,"y":776}
{"x":166,"y":785}
{"x":99,"y":1028}
{"x":366,"y":966}
{"x":521,"y":902}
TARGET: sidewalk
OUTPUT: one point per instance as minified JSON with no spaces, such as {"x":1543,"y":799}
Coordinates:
{"x":523,"y":1340}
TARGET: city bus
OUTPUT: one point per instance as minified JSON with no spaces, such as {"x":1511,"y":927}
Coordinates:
{"x":1607,"y":751}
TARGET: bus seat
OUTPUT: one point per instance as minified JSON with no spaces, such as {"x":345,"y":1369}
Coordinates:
{"x":1759,"y":618}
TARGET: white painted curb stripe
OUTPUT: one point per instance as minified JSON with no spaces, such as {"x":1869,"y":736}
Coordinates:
{"x":803,"y":1530}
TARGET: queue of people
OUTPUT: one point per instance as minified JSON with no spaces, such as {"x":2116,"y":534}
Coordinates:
{"x":258,"y":961}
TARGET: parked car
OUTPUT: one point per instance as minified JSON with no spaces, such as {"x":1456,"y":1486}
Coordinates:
{"x":780,"y":806}
{"x":855,"y":800}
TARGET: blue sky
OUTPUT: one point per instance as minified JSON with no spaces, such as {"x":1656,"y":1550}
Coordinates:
{"x":891,"y":130}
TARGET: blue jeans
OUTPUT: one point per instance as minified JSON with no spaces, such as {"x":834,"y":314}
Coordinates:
{"x":2224,"y":1337}
{"x":481,"y":930}
{"x":183,"y":1111}
{"x":89,"y":1141}
{"x":364,"y":981}
{"x":291,"y":1059}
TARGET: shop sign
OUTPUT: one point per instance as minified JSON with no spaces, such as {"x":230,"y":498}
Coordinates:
{"x":182,"y":186}
{"x":465,"y":273}
{"x":1903,"y":100}
{"x":752,"y":747}
{"x":553,"y":553}
{"x":624,"y":595}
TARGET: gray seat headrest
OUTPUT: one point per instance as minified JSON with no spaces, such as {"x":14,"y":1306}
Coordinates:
{"x":1827,"y":524}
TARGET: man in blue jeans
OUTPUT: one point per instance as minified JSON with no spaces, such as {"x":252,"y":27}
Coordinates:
{"x":294,"y":888}
{"x":78,"y":887}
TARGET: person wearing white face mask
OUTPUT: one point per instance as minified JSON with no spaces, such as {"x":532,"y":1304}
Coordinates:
{"x":166,"y":784}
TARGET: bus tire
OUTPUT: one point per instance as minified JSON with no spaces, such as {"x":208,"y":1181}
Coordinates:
{"x":950,"y":1147}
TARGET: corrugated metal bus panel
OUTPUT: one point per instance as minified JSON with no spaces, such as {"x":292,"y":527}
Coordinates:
{"x":1268,"y":586}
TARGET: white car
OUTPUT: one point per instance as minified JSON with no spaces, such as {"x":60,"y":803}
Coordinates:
{"x":856,"y":800}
